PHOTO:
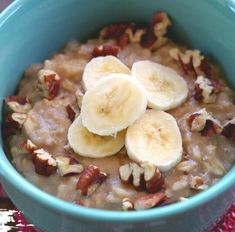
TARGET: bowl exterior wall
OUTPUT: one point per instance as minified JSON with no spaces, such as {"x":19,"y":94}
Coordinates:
{"x":32,"y":30}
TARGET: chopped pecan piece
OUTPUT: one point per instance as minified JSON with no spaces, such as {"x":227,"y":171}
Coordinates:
{"x":143,"y":177}
{"x":135,"y":34}
{"x":205,"y":68}
{"x":160,"y":23}
{"x":48,"y":83}
{"x":71,"y":113}
{"x":18,"y":104}
{"x":229,"y":129}
{"x":197,"y":183}
{"x":153,"y":178}
{"x":127,"y":204}
{"x":29,"y":146}
{"x":201,"y":121}
{"x":15,"y":121}
{"x":149,"y":201}
{"x":114,"y":31}
{"x":155,"y":36}
{"x":105,"y":50}
{"x":90,"y":179}
{"x":218,"y":87}
{"x":204,"y":90}
{"x":68,"y":165}
{"x":189,"y":60}
{"x":44,"y":163}
{"x":117,"y":32}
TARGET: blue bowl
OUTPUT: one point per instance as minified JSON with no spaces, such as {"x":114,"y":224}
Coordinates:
{"x":31,"y":30}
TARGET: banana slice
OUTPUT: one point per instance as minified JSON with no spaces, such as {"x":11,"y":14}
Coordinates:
{"x":91,"y":145}
{"x":99,"y":67}
{"x":113,"y":104}
{"x":165,"y":88}
{"x":156,"y":138}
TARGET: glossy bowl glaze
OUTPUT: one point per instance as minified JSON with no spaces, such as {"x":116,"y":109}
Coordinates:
{"x":31,"y":30}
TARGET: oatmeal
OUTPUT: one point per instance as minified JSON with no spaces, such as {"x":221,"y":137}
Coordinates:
{"x":130,"y":120}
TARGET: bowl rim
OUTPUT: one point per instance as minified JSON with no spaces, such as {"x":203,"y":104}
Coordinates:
{"x":10,"y":175}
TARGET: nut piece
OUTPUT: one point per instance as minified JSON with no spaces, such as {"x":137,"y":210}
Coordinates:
{"x":90,"y":179}
{"x":137,"y":174}
{"x":16,"y":120}
{"x":71,"y":113}
{"x":155,"y":36}
{"x":153,"y":178}
{"x":44,"y":163}
{"x":190,"y":60}
{"x":201,"y":121}
{"x":187,"y":56}
{"x":105,"y":50}
{"x":197,"y":183}
{"x":48,"y":83}
{"x":117,"y":32}
{"x":68,"y":165}
{"x":160,"y":23}
{"x":135,"y":34}
{"x":204,"y":69}
{"x":18,"y":104}
{"x":127,"y":204}
{"x":205,"y":91}
{"x":123,"y":33}
{"x":29,"y":146}
{"x":229,"y":129}
{"x":143,"y":177}
{"x":149,"y":201}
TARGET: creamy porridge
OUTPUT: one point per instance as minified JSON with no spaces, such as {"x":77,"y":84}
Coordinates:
{"x":127,"y":121}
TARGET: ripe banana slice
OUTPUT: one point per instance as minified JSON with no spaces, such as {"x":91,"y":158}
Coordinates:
{"x":99,"y":67}
{"x":91,"y":145}
{"x":113,"y":104}
{"x":165,"y":89}
{"x":156,"y":138}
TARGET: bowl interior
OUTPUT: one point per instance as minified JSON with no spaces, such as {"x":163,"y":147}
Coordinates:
{"x":32,"y":30}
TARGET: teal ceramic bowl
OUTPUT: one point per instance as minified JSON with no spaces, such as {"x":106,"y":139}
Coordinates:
{"x":31,"y":30}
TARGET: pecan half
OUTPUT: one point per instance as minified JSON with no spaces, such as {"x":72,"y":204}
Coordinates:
{"x":48,"y":83}
{"x":204,"y":90}
{"x":71,"y":113}
{"x":68,"y":165}
{"x":18,"y":104}
{"x":105,"y":50}
{"x":143,"y":177}
{"x":90,"y":179}
{"x":149,"y":201}
{"x":44,"y":163}
{"x":229,"y":129}
{"x":127,"y":204}
{"x":201,"y":121}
